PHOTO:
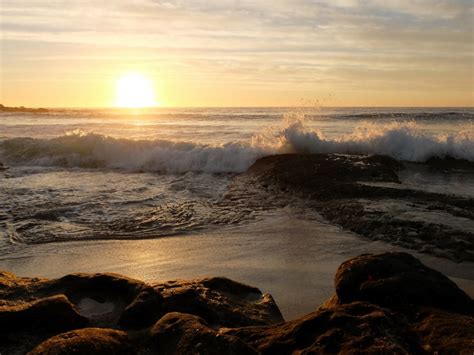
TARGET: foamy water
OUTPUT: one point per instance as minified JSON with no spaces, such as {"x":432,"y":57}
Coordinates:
{"x":88,"y":174}
{"x":220,"y":140}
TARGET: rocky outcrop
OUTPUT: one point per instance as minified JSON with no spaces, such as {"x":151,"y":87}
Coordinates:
{"x":143,"y":311}
{"x":178,"y":333}
{"x":55,"y":313}
{"x":398,"y":280}
{"x":364,"y":194}
{"x":324,"y":176}
{"x":220,"y":302}
{"x":86,"y":341}
{"x":357,"y":327}
{"x":388,"y":303}
{"x":36,"y":311}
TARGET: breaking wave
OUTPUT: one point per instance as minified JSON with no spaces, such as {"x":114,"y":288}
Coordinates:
{"x":402,"y":141}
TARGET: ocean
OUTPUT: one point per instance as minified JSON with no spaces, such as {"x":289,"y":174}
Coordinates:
{"x":81,"y":174}
{"x":144,"y":192}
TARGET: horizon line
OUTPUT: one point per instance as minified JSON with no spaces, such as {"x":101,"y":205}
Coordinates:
{"x":197,"y":107}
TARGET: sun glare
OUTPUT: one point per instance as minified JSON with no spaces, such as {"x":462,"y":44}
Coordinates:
{"x":135,"y":91}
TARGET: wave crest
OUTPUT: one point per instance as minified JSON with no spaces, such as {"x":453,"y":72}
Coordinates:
{"x":402,"y":141}
{"x":93,"y":150}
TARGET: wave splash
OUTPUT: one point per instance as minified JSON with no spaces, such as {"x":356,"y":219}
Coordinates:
{"x":402,"y":141}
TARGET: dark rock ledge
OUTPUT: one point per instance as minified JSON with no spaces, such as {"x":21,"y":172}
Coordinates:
{"x":347,"y":190}
{"x":388,"y":303}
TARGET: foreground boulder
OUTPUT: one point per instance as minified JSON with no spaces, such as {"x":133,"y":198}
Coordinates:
{"x":398,"y":280}
{"x":178,"y":333}
{"x":86,"y":341}
{"x":54,"y":313}
{"x":387,"y":303}
{"x":220,"y":302}
{"x":356,"y":327}
{"x":34,"y":311}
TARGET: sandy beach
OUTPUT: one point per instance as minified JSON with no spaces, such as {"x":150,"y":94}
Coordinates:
{"x":292,"y":259}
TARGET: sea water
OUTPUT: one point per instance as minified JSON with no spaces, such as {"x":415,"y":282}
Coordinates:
{"x":142,"y":192}
{"x":82,"y":174}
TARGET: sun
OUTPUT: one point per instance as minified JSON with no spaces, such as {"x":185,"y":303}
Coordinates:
{"x":135,"y":90}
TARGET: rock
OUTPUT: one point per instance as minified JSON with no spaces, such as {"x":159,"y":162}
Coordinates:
{"x":220,"y":301}
{"x":55,"y":313}
{"x":100,"y":284}
{"x":144,"y":310}
{"x":86,"y":341}
{"x":73,"y":286}
{"x":122,"y":294}
{"x":362,"y":194}
{"x":445,"y":332}
{"x":450,"y":163}
{"x":387,"y":303}
{"x":357,"y":327}
{"x":11,"y":285}
{"x":398,"y":280}
{"x":179,"y":333}
{"x":333,"y":175}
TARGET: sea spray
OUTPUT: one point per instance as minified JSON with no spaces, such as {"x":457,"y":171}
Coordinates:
{"x":400,"y":140}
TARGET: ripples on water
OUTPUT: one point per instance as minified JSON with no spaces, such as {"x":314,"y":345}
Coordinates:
{"x":44,"y":205}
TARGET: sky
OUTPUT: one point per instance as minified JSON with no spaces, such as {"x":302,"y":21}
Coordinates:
{"x":239,"y":52}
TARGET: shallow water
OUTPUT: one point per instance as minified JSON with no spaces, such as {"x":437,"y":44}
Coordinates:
{"x":451,"y":181}
{"x":44,"y":205}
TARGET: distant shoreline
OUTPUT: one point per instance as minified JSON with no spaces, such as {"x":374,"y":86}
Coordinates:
{"x":21,"y":109}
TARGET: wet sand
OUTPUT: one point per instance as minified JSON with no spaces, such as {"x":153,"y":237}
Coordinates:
{"x":291,"y":257}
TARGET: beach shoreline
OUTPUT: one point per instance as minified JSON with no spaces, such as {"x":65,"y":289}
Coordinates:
{"x":293,"y":259}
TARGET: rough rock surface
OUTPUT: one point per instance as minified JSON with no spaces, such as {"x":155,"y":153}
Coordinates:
{"x":398,"y":280}
{"x":364,"y":194}
{"x":387,"y":303}
{"x":178,"y":333}
{"x":356,"y":327}
{"x":220,"y":302}
{"x":86,"y":341}
{"x":33,"y":310}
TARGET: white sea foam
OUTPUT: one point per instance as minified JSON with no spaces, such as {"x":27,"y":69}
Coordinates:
{"x":402,"y":141}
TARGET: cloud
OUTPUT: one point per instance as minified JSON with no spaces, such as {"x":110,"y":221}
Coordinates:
{"x":306,"y":41}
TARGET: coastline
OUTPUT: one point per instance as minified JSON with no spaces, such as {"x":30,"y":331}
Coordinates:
{"x":262,"y":253}
{"x":383,"y":303}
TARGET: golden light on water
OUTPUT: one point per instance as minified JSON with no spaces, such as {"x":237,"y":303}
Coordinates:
{"x":135,"y":90}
